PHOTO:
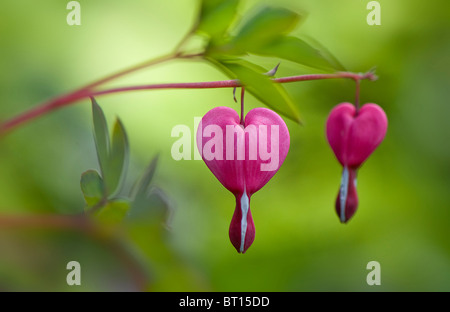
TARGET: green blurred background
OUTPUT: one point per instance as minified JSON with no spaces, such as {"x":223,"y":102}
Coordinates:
{"x":404,"y":213}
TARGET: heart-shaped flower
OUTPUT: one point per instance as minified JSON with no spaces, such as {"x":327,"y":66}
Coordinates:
{"x":243,"y":157}
{"x":353,"y":135}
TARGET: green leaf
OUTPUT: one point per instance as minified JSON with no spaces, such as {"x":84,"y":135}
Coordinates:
{"x":297,"y":50}
{"x":113,"y":158}
{"x":260,"y":86}
{"x":101,"y":136}
{"x":118,"y":158}
{"x":216,"y":16}
{"x":113,"y":212}
{"x":325,"y":53}
{"x":92,"y":187}
{"x":149,"y":202}
{"x":141,"y":187}
{"x":265,"y":26}
{"x":153,"y":208}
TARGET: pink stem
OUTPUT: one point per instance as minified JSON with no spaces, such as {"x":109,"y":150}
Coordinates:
{"x":357,"y":91}
{"x":87,"y":91}
{"x":242,"y":106}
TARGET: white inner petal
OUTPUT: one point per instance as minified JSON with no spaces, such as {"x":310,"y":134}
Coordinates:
{"x":244,"y":209}
{"x":343,"y":193}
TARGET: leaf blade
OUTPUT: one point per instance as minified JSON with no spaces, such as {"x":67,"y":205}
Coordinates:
{"x":265,"y":26}
{"x":141,"y":187}
{"x":260,"y":86}
{"x":299,"y":51}
{"x":101,"y":136}
{"x":118,"y":158}
{"x":92,"y":187}
{"x":215,"y":16}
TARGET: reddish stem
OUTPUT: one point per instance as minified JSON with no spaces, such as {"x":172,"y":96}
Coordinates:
{"x":357,"y":91}
{"x":121,"y":73}
{"x":87,"y":91}
{"x":81,"y":224}
{"x":78,"y":223}
{"x":242,"y":106}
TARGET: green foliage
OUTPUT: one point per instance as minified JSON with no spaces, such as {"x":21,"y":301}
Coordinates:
{"x":101,"y":191}
{"x":297,"y":50}
{"x":265,"y":33}
{"x":267,"y":25}
{"x":142,"y":185}
{"x":113,"y":158}
{"x":149,"y":202}
{"x":101,"y":135}
{"x":216,"y":16}
{"x":260,"y":85}
{"x":92,"y":187}
{"x":113,"y":212}
{"x":118,"y":157}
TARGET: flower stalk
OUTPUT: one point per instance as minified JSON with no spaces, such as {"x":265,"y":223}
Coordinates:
{"x":90,"y":90}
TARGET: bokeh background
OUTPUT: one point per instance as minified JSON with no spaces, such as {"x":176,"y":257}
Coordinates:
{"x":403,"y":220}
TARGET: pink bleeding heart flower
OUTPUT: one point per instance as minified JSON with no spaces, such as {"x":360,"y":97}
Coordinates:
{"x":353,"y":135}
{"x":243,"y":158}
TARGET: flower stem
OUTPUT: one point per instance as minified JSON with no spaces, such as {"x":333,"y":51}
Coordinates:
{"x":79,"y":94}
{"x":231,"y":83}
{"x":357,"y":92}
{"x":242,"y":106}
{"x":124,"y":72}
{"x":88,"y":91}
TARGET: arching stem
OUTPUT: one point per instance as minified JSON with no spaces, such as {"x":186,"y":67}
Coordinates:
{"x":88,"y":91}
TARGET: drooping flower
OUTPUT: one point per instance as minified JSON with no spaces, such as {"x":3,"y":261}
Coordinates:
{"x":353,"y":135}
{"x":243,"y":157}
